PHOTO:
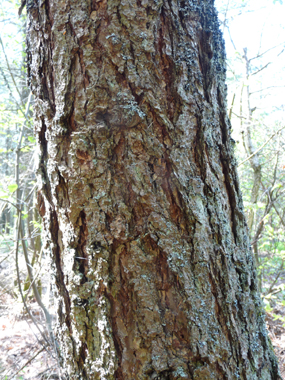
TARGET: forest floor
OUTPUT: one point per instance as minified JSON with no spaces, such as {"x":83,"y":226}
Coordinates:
{"x":23,"y":355}
{"x":20,"y":343}
{"x":276,"y":332}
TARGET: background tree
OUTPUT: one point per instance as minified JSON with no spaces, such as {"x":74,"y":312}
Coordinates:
{"x":20,"y":244}
{"x":142,"y":210}
{"x":16,"y":137}
{"x":256,"y":109}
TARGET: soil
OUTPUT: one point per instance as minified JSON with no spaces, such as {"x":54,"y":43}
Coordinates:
{"x":276,"y":332}
{"x":20,"y":342}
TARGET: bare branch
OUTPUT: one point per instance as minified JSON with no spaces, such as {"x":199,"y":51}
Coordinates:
{"x":266,"y":51}
{"x":262,"y":146}
{"x":258,"y":71}
{"x":264,"y":89}
{"x":28,"y":362}
{"x":19,"y":280}
{"x":9,"y":68}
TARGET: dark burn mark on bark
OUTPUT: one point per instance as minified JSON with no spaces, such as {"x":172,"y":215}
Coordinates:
{"x":232,"y":198}
{"x":81,"y":247}
{"x":230,"y":184}
{"x":60,"y":283}
{"x":43,"y":144}
{"x":48,"y":13}
{"x":62,"y":191}
{"x":119,"y":306}
{"x":199,"y":146}
{"x":82,"y":357}
{"x":205,"y":56}
{"x":41,"y":204}
{"x":43,"y":162}
{"x":173,"y":195}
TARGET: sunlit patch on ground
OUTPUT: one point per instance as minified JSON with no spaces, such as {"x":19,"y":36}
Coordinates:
{"x":20,"y":342}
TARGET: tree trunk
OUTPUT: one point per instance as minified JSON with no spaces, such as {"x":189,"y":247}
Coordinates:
{"x":142,"y":210}
{"x":250,"y":150}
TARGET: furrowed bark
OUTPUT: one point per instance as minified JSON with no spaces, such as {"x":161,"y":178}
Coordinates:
{"x":142,"y":210}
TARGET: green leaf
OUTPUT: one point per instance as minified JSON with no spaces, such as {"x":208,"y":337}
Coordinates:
{"x":12,"y":188}
{"x":37,"y":224}
{"x":26,"y":149}
{"x":24,"y":216}
{"x":31,"y":139}
{"x":268,"y":308}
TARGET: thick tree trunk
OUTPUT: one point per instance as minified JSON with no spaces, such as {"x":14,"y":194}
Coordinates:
{"x":142,"y":210}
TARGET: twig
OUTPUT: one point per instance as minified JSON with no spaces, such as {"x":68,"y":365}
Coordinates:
{"x":264,"y":89}
{"x":262,"y":68}
{"x":31,"y":285}
{"x":232,"y":106}
{"x":5,"y":291}
{"x":11,"y":203}
{"x":6,"y":243}
{"x":234,"y":46}
{"x":19,"y":282}
{"x":28,"y":362}
{"x":240,"y":117}
{"x":262,"y":146}
{"x":9,"y":68}
{"x":266,"y":51}
{"x":10,"y":91}
{"x":271,"y":290}
{"x":225,"y":20}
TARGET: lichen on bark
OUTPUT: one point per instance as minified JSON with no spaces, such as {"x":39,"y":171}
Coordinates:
{"x":143,"y":215}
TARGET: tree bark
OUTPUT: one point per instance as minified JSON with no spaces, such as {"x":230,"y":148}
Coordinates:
{"x":142,"y":210}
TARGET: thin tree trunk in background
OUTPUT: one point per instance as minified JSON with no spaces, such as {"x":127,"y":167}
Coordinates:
{"x":250,"y":149}
{"x":141,"y":205}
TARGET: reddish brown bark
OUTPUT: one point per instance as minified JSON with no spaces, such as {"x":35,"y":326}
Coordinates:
{"x":143,"y":213}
